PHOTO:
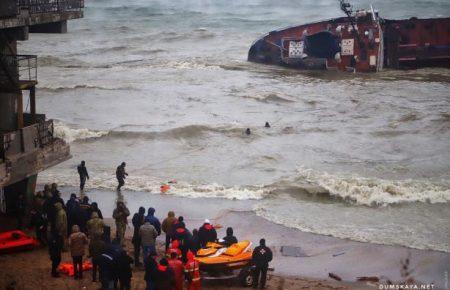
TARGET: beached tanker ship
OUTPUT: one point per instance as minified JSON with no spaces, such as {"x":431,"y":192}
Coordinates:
{"x":359,"y":42}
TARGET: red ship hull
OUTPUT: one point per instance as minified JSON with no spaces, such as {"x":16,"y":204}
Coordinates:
{"x":363,"y":43}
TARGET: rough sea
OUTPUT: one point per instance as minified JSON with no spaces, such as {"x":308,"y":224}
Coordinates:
{"x":165,"y":86}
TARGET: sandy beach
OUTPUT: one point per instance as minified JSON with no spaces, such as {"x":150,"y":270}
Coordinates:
{"x":319,"y":254}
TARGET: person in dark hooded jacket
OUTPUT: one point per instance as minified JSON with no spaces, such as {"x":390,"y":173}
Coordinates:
{"x":55,"y":246}
{"x":207,"y":233}
{"x":138,"y":221}
{"x":195,"y":241}
{"x":184,"y":237}
{"x":124,"y":270}
{"x":151,"y":271}
{"x":261,"y":257}
{"x":154,"y":221}
{"x":230,"y":238}
{"x":94,"y":208}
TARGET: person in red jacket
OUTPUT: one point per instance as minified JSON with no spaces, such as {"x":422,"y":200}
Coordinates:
{"x":178,"y":269}
{"x":192,"y":272}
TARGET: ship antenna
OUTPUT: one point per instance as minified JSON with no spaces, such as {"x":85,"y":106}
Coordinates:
{"x":348,"y":10}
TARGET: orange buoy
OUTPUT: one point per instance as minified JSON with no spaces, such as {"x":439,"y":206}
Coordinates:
{"x":67,"y":268}
{"x":165,"y":188}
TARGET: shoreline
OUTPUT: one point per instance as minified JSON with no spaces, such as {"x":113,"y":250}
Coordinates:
{"x":322,"y":254}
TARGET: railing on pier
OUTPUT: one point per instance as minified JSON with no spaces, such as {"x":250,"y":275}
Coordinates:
{"x":46,"y":6}
{"x":18,"y":69}
{"x":26,"y":139}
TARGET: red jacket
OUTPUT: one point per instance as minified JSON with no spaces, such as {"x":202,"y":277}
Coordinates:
{"x":178,"y":270}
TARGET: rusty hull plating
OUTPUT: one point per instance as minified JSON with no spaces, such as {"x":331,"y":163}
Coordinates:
{"x":361,"y":42}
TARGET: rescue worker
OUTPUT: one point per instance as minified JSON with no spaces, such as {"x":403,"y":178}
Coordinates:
{"x":230,"y":239}
{"x":124,"y":270}
{"x":151,"y":272}
{"x":178,"y":271}
{"x":192,"y":272}
{"x":82,"y":172}
{"x":154,"y":221}
{"x":167,"y":226}
{"x":96,"y":249}
{"x":207,"y":233}
{"x":261,"y":257}
{"x":121,"y":175}
{"x":120,"y":215}
{"x":267,"y":125}
{"x":165,"y":279}
{"x":148,"y":235}
{"x":77,"y":243}
{"x":60,"y":225}
{"x":183,"y":236}
{"x":95,"y":226}
{"x":138,"y":221}
{"x":248,"y":131}
{"x":55,"y":246}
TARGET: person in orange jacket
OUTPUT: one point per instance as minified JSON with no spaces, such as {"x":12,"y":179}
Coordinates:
{"x":178,"y":269}
{"x":192,"y":272}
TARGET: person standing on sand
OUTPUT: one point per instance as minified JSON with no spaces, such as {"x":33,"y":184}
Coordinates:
{"x":138,"y":221}
{"x":167,"y":226}
{"x":154,"y":221}
{"x":148,"y":235}
{"x":261,"y":257}
{"x":96,"y":249}
{"x":120,"y":215}
{"x":151,"y":272}
{"x":121,"y":175}
{"x":124,"y":270}
{"x":60,"y":225}
{"x":207,"y":233}
{"x":55,"y":245}
{"x":95,"y":227}
{"x":178,"y":270}
{"x":77,"y":243}
{"x":192,"y":272}
{"x":82,"y":171}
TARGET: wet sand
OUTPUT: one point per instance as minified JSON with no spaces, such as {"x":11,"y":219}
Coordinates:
{"x":322,"y":254}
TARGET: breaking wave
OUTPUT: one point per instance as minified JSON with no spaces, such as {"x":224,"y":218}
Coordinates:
{"x":69,"y":135}
{"x":51,"y":88}
{"x":147,"y":184}
{"x":375,"y":191}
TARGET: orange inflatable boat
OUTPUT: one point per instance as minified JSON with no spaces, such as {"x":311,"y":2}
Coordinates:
{"x":16,"y":241}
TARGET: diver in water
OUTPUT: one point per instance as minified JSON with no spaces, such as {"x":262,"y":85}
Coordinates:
{"x":267,"y":125}
{"x":247,"y":131}
{"x":82,"y":171}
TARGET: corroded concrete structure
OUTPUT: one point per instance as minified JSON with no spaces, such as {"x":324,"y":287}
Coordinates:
{"x":27,"y":141}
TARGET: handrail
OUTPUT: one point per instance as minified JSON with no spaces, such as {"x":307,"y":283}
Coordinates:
{"x":46,"y":6}
{"x":20,"y":67}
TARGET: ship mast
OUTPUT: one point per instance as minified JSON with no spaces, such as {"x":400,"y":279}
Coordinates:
{"x":347,"y":9}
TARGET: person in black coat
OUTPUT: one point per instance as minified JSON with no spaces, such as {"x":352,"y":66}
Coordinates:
{"x":55,"y":245}
{"x":184,"y":238}
{"x":261,"y":257}
{"x":138,"y":221}
{"x":230,"y":238}
{"x":82,"y":172}
{"x":94,"y":208}
{"x":207,"y":233}
{"x":39,"y":222}
{"x":195,"y":241}
{"x":124,"y":270}
{"x":151,"y":271}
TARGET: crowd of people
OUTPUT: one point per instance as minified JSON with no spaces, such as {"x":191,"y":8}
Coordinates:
{"x":78,"y":224}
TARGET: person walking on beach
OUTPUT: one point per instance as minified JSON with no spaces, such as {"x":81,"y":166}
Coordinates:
{"x":167,"y":226}
{"x":121,"y":175}
{"x":55,"y":245}
{"x":82,"y":171}
{"x":77,"y":243}
{"x":120,"y":215}
{"x":261,"y":257}
{"x":138,"y":221}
